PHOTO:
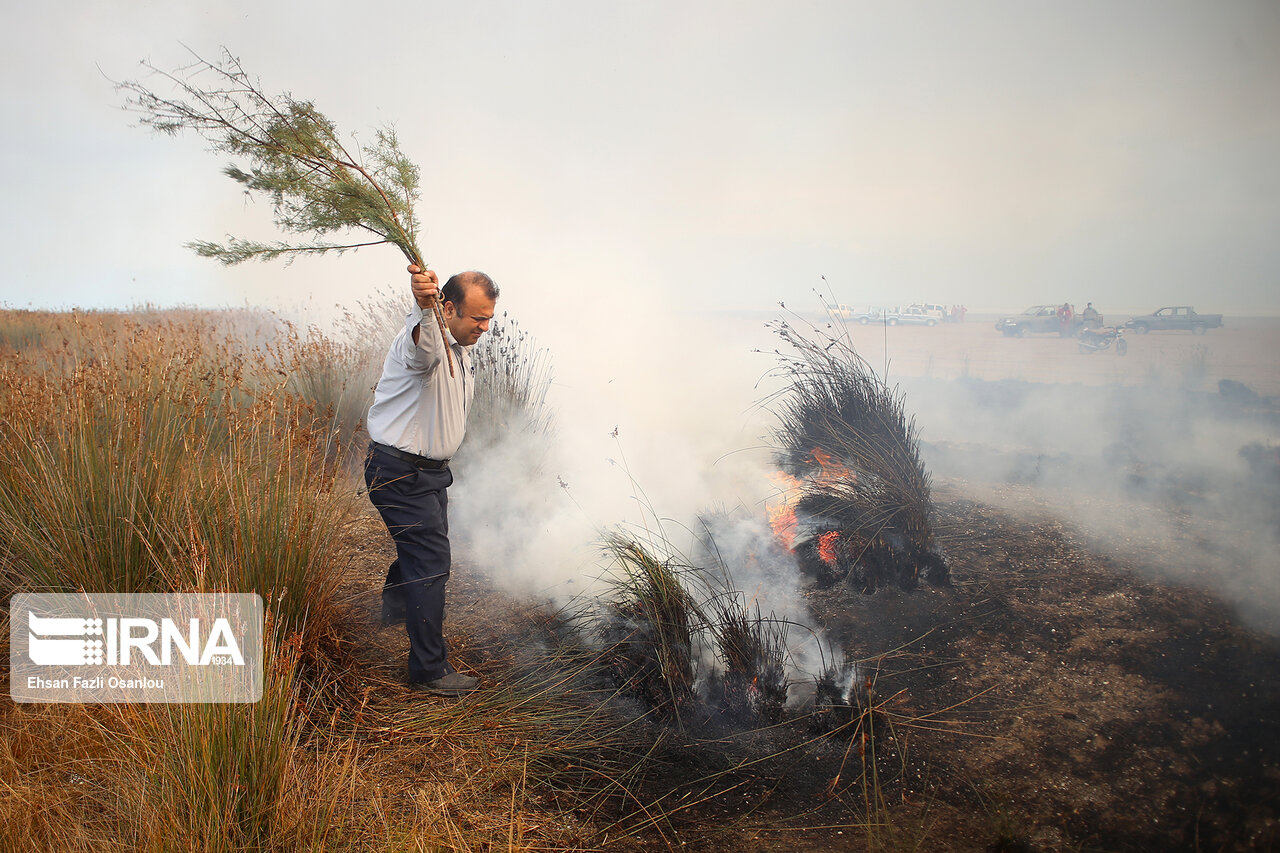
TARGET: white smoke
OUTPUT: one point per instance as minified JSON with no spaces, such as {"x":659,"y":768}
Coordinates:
{"x":1180,"y":484}
{"x":657,"y":430}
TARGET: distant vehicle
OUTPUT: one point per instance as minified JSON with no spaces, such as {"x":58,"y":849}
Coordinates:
{"x":1039,"y":319}
{"x":1182,"y":317}
{"x":873,"y":314}
{"x":939,"y":311}
{"x":912,"y":315}
{"x":1095,"y":340}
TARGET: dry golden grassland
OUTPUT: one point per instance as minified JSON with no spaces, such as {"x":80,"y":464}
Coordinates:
{"x":182,"y":451}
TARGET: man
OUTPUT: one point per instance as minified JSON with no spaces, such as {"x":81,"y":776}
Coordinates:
{"x":416,"y":423}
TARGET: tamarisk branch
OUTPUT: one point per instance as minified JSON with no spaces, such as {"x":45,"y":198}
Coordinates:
{"x":317,"y":187}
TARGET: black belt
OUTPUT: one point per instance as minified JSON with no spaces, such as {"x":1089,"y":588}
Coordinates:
{"x":412,"y":458}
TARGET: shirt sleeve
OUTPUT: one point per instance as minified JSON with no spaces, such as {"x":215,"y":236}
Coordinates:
{"x":429,"y":350}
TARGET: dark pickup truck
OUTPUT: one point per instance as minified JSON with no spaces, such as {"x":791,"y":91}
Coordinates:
{"x":1182,"y":317}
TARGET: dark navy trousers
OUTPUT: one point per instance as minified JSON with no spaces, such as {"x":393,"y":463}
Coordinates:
{"x":414,"y":505}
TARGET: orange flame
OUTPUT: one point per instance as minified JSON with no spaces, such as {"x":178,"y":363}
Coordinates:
{"x":830,"y":468}
{"x":782,"y":513}
{"x":827,"y":546}
{"x":782,"y":519}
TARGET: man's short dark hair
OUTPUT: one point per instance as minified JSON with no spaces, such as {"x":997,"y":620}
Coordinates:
{"x":455,"y":289}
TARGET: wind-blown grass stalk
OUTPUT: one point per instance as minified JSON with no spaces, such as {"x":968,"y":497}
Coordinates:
{"x":316,"y":186}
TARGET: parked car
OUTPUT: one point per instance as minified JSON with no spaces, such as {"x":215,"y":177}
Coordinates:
{"x":1182,"y":317}
{"x":934,"y":310}
{"x":912,"y":315}
{"x":874,"y":314}
{"x":1038,"y":319}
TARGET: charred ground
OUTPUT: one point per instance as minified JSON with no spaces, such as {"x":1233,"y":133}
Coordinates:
{"x":1049,"y":699}
{"x":1101,"y":710}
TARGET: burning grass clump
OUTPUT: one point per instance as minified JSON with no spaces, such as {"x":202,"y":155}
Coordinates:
{"x":857,"y":500}
{"x":682,"y":642}
{"x":648,"y":629}
{"x":844,"y":700}
{"x":752,"y":649}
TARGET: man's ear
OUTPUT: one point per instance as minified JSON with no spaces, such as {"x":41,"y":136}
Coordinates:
{"x":450,"y":310}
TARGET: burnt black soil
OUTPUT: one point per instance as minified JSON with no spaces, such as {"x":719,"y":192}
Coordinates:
{"x":1049,"y":699}
{"x":1091,"y":709}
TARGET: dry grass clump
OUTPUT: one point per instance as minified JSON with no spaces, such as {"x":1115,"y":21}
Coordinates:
{"x":863,"y":511}
{"x":331,"y":379}
{"x":49,"y":757}
{"x":513,"y":376}
{"x":149,"y":454}
{"x":217,"y":774}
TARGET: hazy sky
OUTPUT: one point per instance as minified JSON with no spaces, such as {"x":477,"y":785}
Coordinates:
{"x":600,"y":155}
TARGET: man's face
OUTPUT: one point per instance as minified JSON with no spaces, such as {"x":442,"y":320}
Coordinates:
{"x":469,"y":320}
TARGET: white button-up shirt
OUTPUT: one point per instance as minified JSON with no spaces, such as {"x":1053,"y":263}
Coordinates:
{"x":418,"y":407}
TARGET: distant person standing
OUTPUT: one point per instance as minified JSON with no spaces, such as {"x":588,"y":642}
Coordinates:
{"x":1090,"y":316}
{"x":1064,"y":319}
{"x":416,"y":423}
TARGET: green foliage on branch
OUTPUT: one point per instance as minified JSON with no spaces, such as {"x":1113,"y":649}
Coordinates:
{"x":295,"y":158}
{"x":316,"y":186}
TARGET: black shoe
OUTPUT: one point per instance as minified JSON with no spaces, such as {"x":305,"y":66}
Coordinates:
{"x":453,"y":684}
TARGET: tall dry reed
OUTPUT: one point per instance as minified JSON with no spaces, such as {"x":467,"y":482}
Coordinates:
{"x":158,"y":458}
